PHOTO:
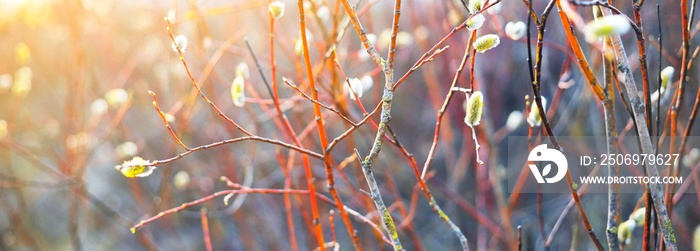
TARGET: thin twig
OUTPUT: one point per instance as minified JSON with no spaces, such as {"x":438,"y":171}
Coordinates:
{"x":580,"y":56}
{"x":536,"y":89}
{"x":196,"y":86}
{"x":686,"y":134}
{"x":165,"y":121}
{"x":411,"y":159}
{"x":438,"y":45}
{"x":318,"y":230}
{"x":429,"y":58}
{"x":582,"y":191}
{"x":520,"y":242}
{"x":445,"y":103}
{"x":205,"y":228}
{"x":678,"y":99}
{"x":246,"y":190}
{"x":375,"y":195}
{"x":352,"y":129}
{"x":296,"y":88}
{"x":322,"y":134}
{"x":385,"y":118}
{"x":286,"y":170}
{"x":371,"y":50}
{"x":428,"y":195}
{"x":235,"y":140}
{"x":646,"y":246}
{"x":477,"y":147}
{"x":357,"y":100}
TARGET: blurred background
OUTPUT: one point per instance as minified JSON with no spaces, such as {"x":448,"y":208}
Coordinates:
{"x":74,"y":82}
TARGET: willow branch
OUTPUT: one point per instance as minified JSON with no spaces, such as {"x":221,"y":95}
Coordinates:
{"x":638,"y":110}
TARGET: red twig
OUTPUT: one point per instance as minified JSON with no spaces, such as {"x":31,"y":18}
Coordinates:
{"x":205,"y":229}
{"x":196,"y":86}
{"x":322,"y":135}
{"x":165,"y":121}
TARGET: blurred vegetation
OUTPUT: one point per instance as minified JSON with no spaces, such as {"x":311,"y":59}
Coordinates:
{"x":74,"y":82}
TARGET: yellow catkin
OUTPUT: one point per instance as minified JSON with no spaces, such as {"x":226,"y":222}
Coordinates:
{"x":238,"y":91}
{"x":486,"y":42}
{"x":475,"y":106}
{"x":136,"y":167}
{"x":475,"y":6}
{"x":475,"y":22}
{"x":624,"y":231}
{"x":638,"y":216}
{"x":276,"y":8}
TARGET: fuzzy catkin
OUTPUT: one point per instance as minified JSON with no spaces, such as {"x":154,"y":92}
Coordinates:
{"x":276,"y":9}
{"x":486,"y":42}
{"x":238,"y":91}
{"x":475,"y":105}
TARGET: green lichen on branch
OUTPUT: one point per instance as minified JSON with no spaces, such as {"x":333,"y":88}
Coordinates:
{"x":671,"y":234}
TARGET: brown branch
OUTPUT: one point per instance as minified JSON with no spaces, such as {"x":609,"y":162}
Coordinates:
{"x":428,"y":195}
{"x":612,"y":146}
{"x":286,"y":170}
{"x":638,"y":110}
{"x":165,"y":121}
{"x":371,"y":50}
{"x":246,"y":190}
{"x":385,"y":118}
{"x":230,"y":141}
{"x":536,"y":89}
{"x":342,"y":136}
{"x":445,"y":103}
{"x":196,"y":86}
{"x":322,"y":135}
{"x":317,"y":230}
{"x":433,"y":50}
{"x":205,"y":228}
{"x":693,"y":113}
{"x":296,"y":88}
